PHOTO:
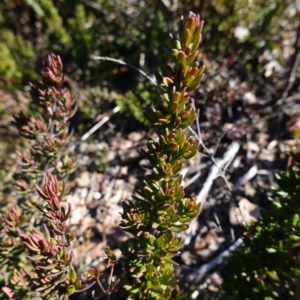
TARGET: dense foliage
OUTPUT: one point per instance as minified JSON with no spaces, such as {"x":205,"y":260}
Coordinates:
{"x":267,"y":263}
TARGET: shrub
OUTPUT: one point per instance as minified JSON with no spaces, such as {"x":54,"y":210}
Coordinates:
{"x":159,"y":209}
{"x":35,"y":223}
{"x":48,"y":149}
{"x":266,"y":267}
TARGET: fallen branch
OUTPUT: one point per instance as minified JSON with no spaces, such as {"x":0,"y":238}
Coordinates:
{"x":99,"y":124}
{"x":197,"y":275}
{"x":216,"y":170}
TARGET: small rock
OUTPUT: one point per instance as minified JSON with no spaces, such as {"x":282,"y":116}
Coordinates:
{"x":84,"y":179}
{"x":135,"y":136}
{"x":250,"y":212}
{"x":249,"y":98}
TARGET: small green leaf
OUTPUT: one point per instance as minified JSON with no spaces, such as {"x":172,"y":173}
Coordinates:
{"x":178,"y":228}
{"x":186,"y":38}
{"x":295,"y":220}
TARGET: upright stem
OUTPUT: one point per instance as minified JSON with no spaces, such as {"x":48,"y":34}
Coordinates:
{"x":159,"y":208}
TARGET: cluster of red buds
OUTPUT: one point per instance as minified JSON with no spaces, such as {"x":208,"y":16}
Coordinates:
{"x":48,"y":250}
{"x":49,"y":133}
{"x":48,"y":150}
{"x":11,"y":250}
{"x":53,"y":71}
{"x":53,"y":195}
{"x":51,"y":90}
{"x":49,"y":270}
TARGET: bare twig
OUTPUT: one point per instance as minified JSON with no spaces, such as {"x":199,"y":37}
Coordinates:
{"x":101,"y":286}
{"x":218,"y":222}
{"x":110,"y":281}
{"x":191,"y":180}
{"x":216,"y":170}
{"x":204,"y":269}
{"x":110,"y":188}
{"x":99,"y":124}
{"x":121,"y":62}
{"x":218,"y":143}
{"x":293,"y":72}
{"x":228,"y":157}
{"x":204,"y":193}
{"x":247,"y":176}
{"x":291,"y":81}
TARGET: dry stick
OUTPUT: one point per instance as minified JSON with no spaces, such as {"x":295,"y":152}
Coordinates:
{"x":222,"y":172}
{"x":94,"y":129}
{"x":101,"y":286}
{"x":121,"y":62}
{"x":247,"y":176}
{"x":196,"y":176}
{"x":228,"y":157}
{"x":197,"y":275}
{"x":99,"y":124}
{"x":199,"y":137}
{"x":292,"y":76}
{"x":215,"y":170}
{"x":292,"y":79}
{"x":110,"y":281}
{"x":202,"y":196}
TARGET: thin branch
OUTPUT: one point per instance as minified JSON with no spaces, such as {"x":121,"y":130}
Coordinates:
{"x":292,"y":79}
{"x":218,"y":143}
{"x":121,"y":62}
{"x":99,"y":124}
{"x":235,"y":146}
{"x":204,"y":269}
{"x":293,"y":72}
{"x":205,"y":191}
{"x":216,"y":169}
{"x":101,"y":286}
{"x":227,"y":159}
{"x":111,"y":275}
{"x":247,"y":176}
